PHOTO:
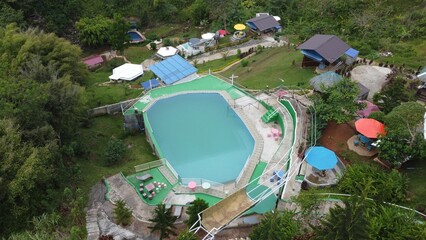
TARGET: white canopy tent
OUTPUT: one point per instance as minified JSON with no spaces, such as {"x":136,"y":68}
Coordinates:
{"x":127,"y":72}
{"x":165,"y":52}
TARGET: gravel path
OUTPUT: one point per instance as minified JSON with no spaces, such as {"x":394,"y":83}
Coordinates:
{"x":372,"y":77}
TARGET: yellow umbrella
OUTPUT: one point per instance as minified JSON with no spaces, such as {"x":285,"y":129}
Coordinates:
{"x":239,"y":26}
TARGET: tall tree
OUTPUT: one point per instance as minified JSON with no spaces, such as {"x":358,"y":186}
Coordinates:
{"x":403,"y":141}
{"x":197,"y":206}
{"x":163,"y":221}
{"x":346,"y":223}
{"x":95,"y":31}
{"x":118,"y":33}
{"x":370,"y":181}
{"x":277,"y":225}
{"x":392,"y":95}
{"x":29,"y":174}
{"x":338,"y":101}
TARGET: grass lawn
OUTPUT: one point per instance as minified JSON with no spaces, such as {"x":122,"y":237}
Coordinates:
{"x":113,"y":93}
{"x":412,"y":60}
{"x":216,"y":65}
{"x":271,"y":65}
{"x":137,"y":54}
{"x":416,"y":173}
{"x":96,"y":137}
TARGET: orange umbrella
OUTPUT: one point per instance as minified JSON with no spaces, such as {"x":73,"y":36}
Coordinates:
{"x":370,"y":128}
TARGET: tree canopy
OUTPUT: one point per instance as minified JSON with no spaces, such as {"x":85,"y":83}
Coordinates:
{"x":277,"y":225}
{"x":370,"y":181}
{"x":403,"y":141}
{"x":338,"y":102}
{"x":42,"y":104}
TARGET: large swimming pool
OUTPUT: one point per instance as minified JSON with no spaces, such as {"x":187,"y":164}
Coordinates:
{"x":201,"y":136}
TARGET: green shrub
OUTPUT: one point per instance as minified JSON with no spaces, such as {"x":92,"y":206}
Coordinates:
{"x":122,"y":214}
{"x":244,"y":63}
{"x":167,"y":42}
{"x":152,"y":37}
{"x":114,"y":152}
{"x":153,"y":46}
{"x":370,"y":181}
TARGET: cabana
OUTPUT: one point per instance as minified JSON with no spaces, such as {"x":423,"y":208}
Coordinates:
{"x":263,"y":24}
{"x":93,"y":61}
{"x":325,"y":80}
{"x":127,"y":72}
{"x":150,"y":84}
{"x":174,"y":69}
{"x":323,"y":50}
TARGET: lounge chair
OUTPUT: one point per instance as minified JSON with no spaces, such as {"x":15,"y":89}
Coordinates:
{"x":177,"y":211}
{"x":144,"y":177}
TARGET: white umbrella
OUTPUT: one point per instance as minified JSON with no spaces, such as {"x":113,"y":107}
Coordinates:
{"x":208,"y":36}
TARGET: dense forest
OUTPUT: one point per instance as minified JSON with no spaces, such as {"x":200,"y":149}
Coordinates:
{"x":42,"y":82}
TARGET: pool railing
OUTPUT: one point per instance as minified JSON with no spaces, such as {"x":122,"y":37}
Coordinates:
{"x":199,"y":181}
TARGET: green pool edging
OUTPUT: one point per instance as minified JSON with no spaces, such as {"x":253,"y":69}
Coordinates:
{"x":108,"y":187}
{"x":151,"y":136}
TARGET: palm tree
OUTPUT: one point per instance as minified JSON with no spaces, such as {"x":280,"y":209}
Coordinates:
{"x":277,"y":226}
{"x":186,"y":235}
{"x":163,"y":221}
{"x":346,"y":223}
{"x":197,"y":206}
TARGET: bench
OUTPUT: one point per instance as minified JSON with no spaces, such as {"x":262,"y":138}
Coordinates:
{"x":144,"y":177}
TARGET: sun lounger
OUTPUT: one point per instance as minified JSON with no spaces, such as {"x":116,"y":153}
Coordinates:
{"x":144,"y":177}
{"x":177,"y":211}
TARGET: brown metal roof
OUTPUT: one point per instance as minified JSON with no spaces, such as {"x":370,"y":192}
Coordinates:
{"x":264,"y":22}
{"x":329,"y":47}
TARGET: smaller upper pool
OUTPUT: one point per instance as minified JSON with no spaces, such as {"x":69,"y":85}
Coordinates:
{"x":136,"y":37}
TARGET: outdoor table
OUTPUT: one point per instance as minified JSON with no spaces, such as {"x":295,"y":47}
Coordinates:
{"x":150,"y":187}
{"x":206,"y":185}
{"x":192,"y":185}
{"x":275,"y":132}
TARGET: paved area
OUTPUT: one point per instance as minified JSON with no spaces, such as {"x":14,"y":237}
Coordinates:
{"x":372,"y":77}
{"x":360,"y":149}
{"x":209,"y":57}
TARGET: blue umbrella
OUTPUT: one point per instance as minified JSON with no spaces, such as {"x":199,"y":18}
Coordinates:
{"x":321,"y":158}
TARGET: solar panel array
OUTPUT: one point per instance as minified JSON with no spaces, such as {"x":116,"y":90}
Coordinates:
{"x":173,"y":69}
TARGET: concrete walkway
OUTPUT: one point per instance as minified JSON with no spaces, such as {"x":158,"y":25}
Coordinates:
{"x":121,"y":190}
{"x":210,"y":57}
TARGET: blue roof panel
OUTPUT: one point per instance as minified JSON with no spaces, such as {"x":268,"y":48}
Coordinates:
{"x":151,"y":83}
{"x":173,"y":69}
{"x":353,"y":53}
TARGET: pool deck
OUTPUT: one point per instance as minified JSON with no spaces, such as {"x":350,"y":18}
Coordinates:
{"x":268,"y":149}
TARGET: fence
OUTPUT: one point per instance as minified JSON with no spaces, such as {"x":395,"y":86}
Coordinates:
{"x":200,"y":181}
{"x":110,"y":109}
{"x":169,"y":166}
{"x":146,"y":166}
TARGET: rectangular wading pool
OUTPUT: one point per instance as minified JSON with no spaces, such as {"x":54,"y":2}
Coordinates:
{"x":201,"y":136}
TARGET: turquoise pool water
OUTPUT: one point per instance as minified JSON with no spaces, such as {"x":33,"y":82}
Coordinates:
{"x":201,"y":136}
{"x":135,"y":36}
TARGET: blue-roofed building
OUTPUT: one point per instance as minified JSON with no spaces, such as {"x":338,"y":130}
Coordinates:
{"x":174,"y":69}
{"x":150,"y":84}
{"x":326,"y":50}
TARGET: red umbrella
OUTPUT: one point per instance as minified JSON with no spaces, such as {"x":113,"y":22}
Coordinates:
{"x":370,"y":128}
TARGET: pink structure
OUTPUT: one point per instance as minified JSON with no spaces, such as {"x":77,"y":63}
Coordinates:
{"x":93,"y":61}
